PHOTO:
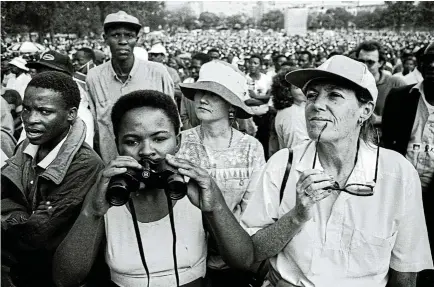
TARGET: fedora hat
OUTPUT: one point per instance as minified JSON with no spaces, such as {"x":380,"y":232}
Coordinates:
{"x":20,"y":63}
{"x":224,"y":80}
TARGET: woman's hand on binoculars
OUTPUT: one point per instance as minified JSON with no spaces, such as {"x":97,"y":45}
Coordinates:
{"x":203,"y":192}
{"x":96,"y":202}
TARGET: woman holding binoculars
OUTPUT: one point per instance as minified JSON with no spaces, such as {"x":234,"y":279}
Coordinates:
{"x":146,"y":125}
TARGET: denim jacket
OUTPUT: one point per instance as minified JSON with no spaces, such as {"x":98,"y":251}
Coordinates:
{"x":34,"y":237}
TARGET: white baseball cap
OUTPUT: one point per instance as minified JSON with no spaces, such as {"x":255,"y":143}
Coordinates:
{"x":122,"y":17}
{"x":224,"y":80}
{"x":340,"y":68}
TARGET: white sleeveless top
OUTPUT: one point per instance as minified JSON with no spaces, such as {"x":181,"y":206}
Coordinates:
{"x":123,"y":257}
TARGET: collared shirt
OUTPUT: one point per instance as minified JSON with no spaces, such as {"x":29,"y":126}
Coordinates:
{"x":420,"y":149}
{"x":351,"y":240}
{"x":290,"y":124}
{"x":32,"y":150}
{"x":386,"y":83}
{"x":105,"y":88}
{"x":35,"y":169}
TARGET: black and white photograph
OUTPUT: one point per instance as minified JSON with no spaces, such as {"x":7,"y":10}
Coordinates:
{"x":217,"y":143}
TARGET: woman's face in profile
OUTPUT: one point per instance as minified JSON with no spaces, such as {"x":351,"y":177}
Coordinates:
{"x":146,"y":132}
{"x":210,"y":107}
{"x":332,"y":104}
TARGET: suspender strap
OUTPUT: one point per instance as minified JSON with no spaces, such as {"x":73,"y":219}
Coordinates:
{"x":285,"y":176}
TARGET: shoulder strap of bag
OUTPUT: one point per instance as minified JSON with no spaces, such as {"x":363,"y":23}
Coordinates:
{"x":285,"y":176}
{"x":259,"y":276}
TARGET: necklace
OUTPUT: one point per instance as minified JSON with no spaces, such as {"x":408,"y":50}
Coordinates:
{"x":201,"y":136}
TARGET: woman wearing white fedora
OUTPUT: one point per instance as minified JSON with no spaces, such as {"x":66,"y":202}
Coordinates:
{"x":232,"y":158}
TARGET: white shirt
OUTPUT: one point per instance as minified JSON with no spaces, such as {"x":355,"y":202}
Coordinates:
{"x":420,"y":149}
{"x":122,"y":254}
{"x":19,"y":84}
{"x":414,"y":77}
{"x":351,"y":240}
{"x":32,"y":150}
{"x":262,"y":85}
{"x":290,"y":124}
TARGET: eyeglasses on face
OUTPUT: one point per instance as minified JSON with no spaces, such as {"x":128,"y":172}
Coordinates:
{"x":368,"y":63}
{"x":357,"y":189}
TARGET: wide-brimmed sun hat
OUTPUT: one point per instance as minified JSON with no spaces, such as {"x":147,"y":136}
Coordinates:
{"x":224,"y":80}
{"x":339,"y":68}
{"x":20,"y":63}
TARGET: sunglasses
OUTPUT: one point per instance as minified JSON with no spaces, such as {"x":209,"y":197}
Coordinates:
{"x":357,"y":189}
{"x":368,"y":63}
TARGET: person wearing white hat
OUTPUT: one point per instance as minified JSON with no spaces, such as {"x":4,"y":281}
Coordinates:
{"x":18,"y":67}
{"x":158,"y":53}
{"x":124,"y":73}
{"x":350,"y":213}
{"x":232,"y":158}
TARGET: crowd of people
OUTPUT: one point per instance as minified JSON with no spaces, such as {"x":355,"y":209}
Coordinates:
{"x":219,"y":158}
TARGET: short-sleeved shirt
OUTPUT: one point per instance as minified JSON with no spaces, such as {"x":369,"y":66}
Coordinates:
{"x":290,"y":124}
{"x":234,"y":169}
{"x":351,"y":240}
{"x":420,"y":149}
{"x":105,"y":88}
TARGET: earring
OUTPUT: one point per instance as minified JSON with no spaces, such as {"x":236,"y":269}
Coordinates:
{"x":231,"y":115}
{"x":360,"y":122}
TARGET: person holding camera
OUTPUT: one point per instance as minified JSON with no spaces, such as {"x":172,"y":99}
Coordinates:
{"x":136,"y":232}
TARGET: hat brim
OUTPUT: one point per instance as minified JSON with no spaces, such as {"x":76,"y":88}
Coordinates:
{"x":112,"y":24}
{"x":24,"y":68}
{"x":36,"y":65}
{"x":189,"y":90}
{"x":301,"y":78}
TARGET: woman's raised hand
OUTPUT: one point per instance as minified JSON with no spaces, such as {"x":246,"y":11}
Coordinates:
{"x":203,"y":192}
{"x":313,"y":186}
{"x":96,"y":203}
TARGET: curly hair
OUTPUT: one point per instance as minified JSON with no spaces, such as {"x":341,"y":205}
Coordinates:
{"x":281,"y":90}
{"x":145,"y":98}
{"x":58,"y":82}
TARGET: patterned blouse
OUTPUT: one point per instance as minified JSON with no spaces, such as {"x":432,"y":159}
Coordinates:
{"x":235,"y":169}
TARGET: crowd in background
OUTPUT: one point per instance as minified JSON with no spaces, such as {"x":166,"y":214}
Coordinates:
{"x":258,"y":122}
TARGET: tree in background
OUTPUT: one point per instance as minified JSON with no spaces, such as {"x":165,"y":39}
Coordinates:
{"x":273,"y":19}
{"x":425,"y":14}
{"x":78,"y":17}
{"x":209,"y":20}
{"x":400,"y":13}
